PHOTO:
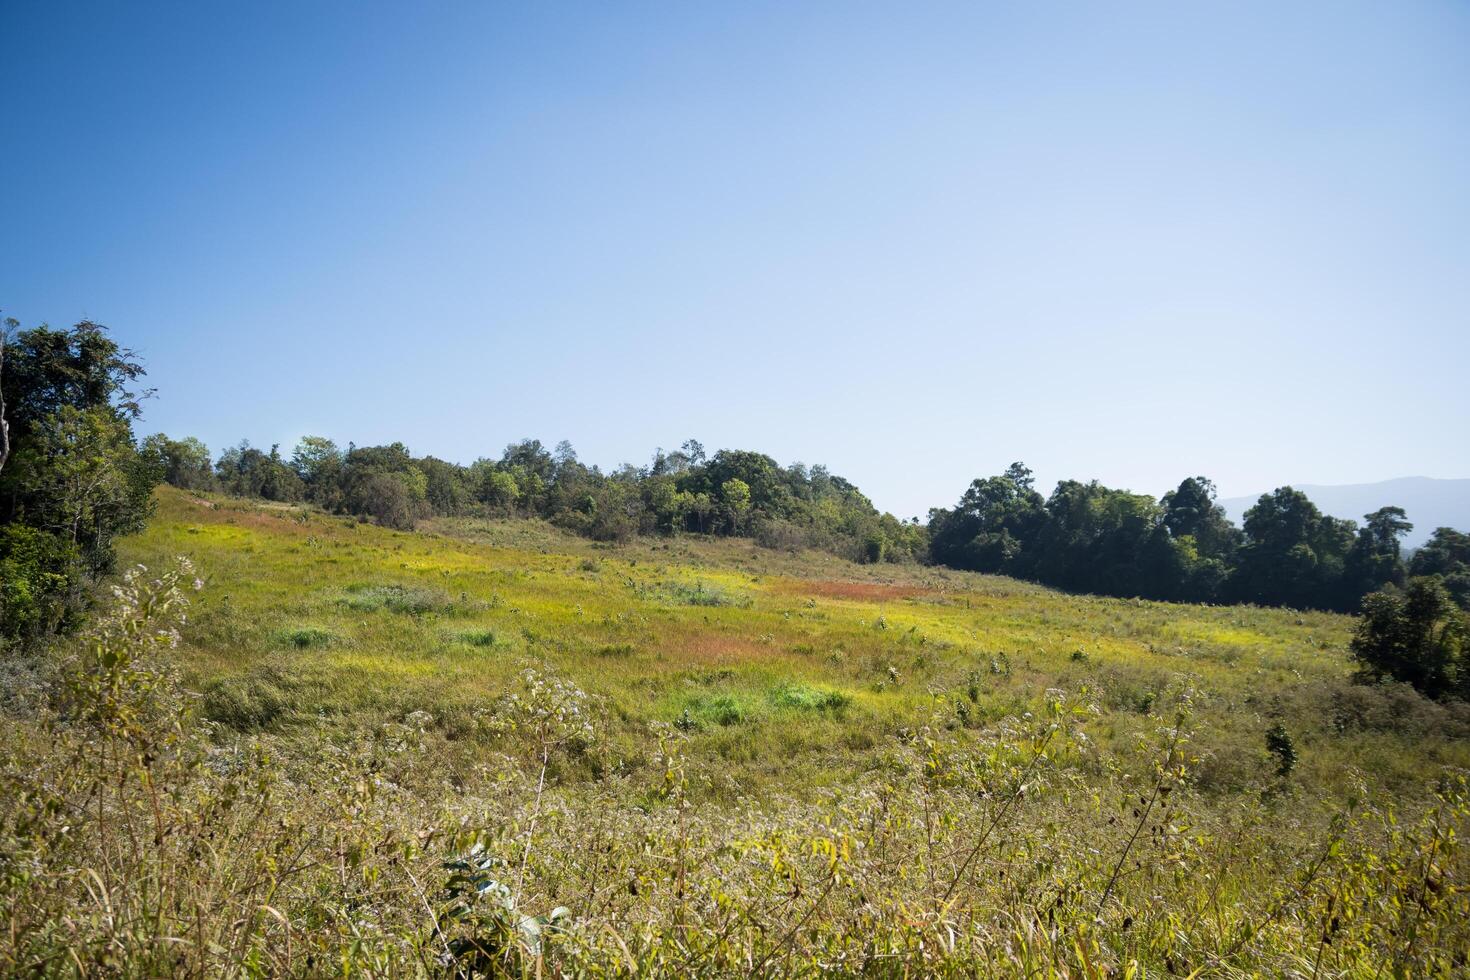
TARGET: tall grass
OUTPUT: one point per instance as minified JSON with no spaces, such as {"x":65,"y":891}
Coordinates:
{"x":947,"y":794}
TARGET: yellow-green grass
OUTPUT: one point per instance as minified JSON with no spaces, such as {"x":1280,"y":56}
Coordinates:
{"x":787,"y":671}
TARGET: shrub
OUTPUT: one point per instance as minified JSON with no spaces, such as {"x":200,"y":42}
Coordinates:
{"x":699,"y":594}
{"x":309,"y":636}
{"x":1417,"y":636}
{"x":780,"y":535}
{"x":395,"y":598}
{"x":38,"y":583}
{"x":1279,"y":744}
{"x":805,"y":698}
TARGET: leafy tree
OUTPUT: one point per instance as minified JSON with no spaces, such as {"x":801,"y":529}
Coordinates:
{"x":990,"y":527}
{"x":318,"y":463}
{"x":73,"y":479}
{"x":1446,"y":554}
{"x":447,"y":489}
{"x":185,"y":463}
{"x":1293,"y":554}
{"x":248,"y":472}
{"x":385,"y":497}
{"x":1098,"y":539}
{"x":1375,"y":559}
{"x":735,"y":498}
{"x":39,"y":586}
{"x":498,"y":489}
{"x":1417,"y":636}
{"x":85,"y":481}
{"x":1191,"y":511}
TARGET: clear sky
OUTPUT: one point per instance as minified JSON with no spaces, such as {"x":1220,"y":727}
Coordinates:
{"x":911,"y":241}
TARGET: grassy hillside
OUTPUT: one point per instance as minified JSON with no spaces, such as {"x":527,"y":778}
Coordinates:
{"x":782,"y":670}
{"x":494,"y":748}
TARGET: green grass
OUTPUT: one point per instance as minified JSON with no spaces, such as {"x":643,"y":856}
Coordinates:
{"x":692,"y":758}
{"x":817,"y":655}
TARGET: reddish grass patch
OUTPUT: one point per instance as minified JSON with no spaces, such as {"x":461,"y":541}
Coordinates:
{"x":715,"y":648}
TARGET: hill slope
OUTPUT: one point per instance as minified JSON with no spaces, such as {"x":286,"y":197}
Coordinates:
{"x":713,"y":760}
{"x":309,"y":617}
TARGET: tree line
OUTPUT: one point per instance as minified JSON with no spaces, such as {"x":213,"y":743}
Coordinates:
{"x":732,"y":492}
{"x":1086,"y":537}
{"x":73,"y":478}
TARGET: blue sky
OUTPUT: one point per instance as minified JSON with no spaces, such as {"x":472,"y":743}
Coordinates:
{"x":911,"y":241}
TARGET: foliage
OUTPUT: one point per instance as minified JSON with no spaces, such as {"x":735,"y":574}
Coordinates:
{"x":733,"y":493}
{"x":1090,"y":538}
{"x":1417,"y":636}
{"x":1447,"y":554}
{"x":183,"y":463}
{"x":73,"y":481}
{"x":134,"y":843}
{"x":1279,"y":743}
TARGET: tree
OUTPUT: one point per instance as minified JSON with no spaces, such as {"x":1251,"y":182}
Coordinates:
{"x":1191,"y":511}
{"x":992,"y":525}
{"x":1020,"y":474}
{"x":1447,"y":555}
{"x":248,"y":472}
{"x":735,"y":497}
{"x":78,"y":476}
{"x":4,"y":424}
{"x":1293,"y":554}
{"x":72,"y":480}
{"x":184,"y":463}
{"x":1375,"y":559}
{"x":498,"y":489}
{"x":386,"y":498}
{"x":317,"y":462}
{"x":1417,"y":636}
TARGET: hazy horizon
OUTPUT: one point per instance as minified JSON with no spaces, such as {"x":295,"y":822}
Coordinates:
{"x":911,"y":243}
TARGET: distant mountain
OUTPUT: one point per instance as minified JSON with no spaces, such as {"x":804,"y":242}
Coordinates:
{"x":1430,"y":503}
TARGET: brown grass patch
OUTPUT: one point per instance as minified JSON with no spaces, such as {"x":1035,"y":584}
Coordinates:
{"x":715,"y":648}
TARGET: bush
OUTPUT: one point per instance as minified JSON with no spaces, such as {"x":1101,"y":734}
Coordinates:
{"x":309,"y":636}
{"x":779,"y":535}
{"x":386,"y":499}
{"x":38,"y":583}
{"x":1279,"y":744}
{"x":1417,"y":636}
{"x":395,"y":598}
{"x":805,"y":698}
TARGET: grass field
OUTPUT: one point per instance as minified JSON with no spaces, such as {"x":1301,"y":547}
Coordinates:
{"x":785,"y":671}
{"x":489,"y":748}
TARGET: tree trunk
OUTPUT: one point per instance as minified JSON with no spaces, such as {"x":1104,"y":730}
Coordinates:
{"x":4,"y":425}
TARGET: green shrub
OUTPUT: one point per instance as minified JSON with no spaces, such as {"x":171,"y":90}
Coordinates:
{"x":699,"y":594}
{"x":717,"y":709}
{"x":38,"y":583}
{"x":805,"y":698}
{"x":303,"y":637}
{"x":1279,"y":744}
{"x":395,"y":598}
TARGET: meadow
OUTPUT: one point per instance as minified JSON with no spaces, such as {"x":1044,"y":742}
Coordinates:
{"x":493,"y":747}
